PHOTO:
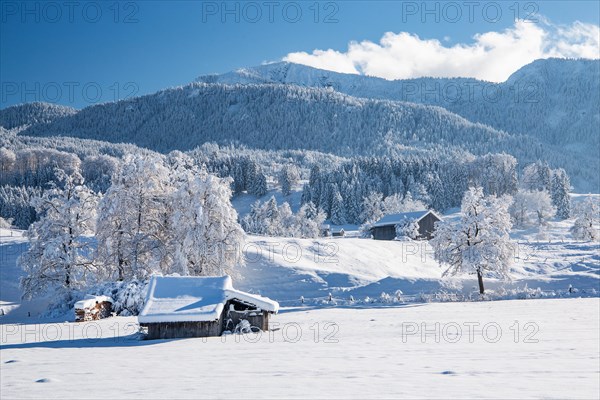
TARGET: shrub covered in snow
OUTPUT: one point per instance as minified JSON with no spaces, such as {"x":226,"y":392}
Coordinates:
{"x":586,"y":222}
{"x":128,"y":296}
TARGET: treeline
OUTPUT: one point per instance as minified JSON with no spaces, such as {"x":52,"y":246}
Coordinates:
{"x":30,"y":171}
{"x":437,"y":182}
{"x":28,"y":167}
{"x":159,"y":215}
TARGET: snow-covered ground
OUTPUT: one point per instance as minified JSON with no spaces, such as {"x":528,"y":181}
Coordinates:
{"x":287,"y":269}
{"x":366,"y":341}
{"x":505,"y":349}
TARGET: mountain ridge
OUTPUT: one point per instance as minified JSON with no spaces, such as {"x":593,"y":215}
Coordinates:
{"x":539,"y":99}
{"x":259,"y":107}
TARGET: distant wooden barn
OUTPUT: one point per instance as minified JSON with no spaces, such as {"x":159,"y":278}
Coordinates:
{"x":338,"y":232}
{"x":385,"y":228}
{"x":183,"y":307}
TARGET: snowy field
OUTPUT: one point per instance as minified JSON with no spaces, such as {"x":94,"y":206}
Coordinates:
{"x":504,"y":349}
{"x":387,"y":331}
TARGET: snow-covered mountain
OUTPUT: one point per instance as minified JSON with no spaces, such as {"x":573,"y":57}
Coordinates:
{"x":32,"y":113}
{"x":278,"y":117}
{"x":555,"y":100}
{"x":547,"y":110}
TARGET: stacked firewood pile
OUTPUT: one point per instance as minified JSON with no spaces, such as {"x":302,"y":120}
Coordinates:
{"x":93,"y":308}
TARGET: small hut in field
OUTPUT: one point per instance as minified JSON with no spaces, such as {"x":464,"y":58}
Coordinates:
{"x":183,"y":307}
{"x":338,"y":232}
{"x":93,"y":308}
{"x":385,"y":228}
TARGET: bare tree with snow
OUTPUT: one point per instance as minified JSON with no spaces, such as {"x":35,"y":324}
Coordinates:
{"x":372,"y":208}
{"x":531,"y":208}
{"x":479,"y":242}
{"x":133,"y":232}
{"x":587,"y":219}
{"x":206,"y":235}
{"x":59,"y":255}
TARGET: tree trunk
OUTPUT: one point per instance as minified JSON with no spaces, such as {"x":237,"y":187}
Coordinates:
{"x":480,"y":280}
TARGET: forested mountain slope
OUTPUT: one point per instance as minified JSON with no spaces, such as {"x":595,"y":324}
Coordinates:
{"x":287,"y":106}
{"x":272,"y":117}
{"x":32,"y":113}
{"x":555,"y":100}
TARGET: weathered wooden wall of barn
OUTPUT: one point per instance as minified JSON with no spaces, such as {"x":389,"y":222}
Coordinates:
{"x":188,"y":329}
{"x":387,"y":232}
{"x":426,"y":226}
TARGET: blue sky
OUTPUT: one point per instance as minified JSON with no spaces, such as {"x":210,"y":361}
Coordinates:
{"x":74,"y":56}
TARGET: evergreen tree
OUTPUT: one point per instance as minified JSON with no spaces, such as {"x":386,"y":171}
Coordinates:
{"x":258,"y":184}
{"x":560,"y":193}
{"x":337,"y":209}
{"x":288,"y":177}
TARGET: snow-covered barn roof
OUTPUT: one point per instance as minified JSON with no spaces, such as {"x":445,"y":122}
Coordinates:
{"x":394,"y":219}
{"x":179,"y":299}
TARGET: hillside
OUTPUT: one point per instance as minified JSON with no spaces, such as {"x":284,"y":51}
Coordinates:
{"x":32,"y":114}
{"x":555,"y":100}
{"x":286,"y":269}
{"x":271,"y":117}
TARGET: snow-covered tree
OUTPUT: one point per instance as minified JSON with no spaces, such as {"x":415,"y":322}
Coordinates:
{"x":5,"y":223}
{"x":560,"y":193}
{"x":541,"y":204}
{"x":15,"y":204}
{"x":253,"y":221}
{"x":419,"y":192}
{"x":520,"y":209}
{"x":479,"y":242}
{"x":132,"y":232}
{"x":393,"y":204}
{"x":258,"y":184}
{"x":59,"y":257}
{"x":288,"y":177}
{"x":338,"y":216}
{"x":372,"y":208}
{"x":309,"y":220}
{"x":272,"y":220}
{"x":98,"y":171}
{"x":8,"y":159}
{"x":410,"y":204}
{"x":207,"y":238}
{"x":408,"y":228}
{"x":587,"y":219}
{"x":287,"y":219}
{"x":536,"y":176}
{"x":531,"y":208}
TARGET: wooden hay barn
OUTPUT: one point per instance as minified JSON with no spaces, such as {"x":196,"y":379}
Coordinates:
{"x":385,"y":228}
{"x":338,"y":232}
{"x":183,"y":307}
{"x":93,"y":308}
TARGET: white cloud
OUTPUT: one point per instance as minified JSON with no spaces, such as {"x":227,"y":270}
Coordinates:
{"x":492,"y":56}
